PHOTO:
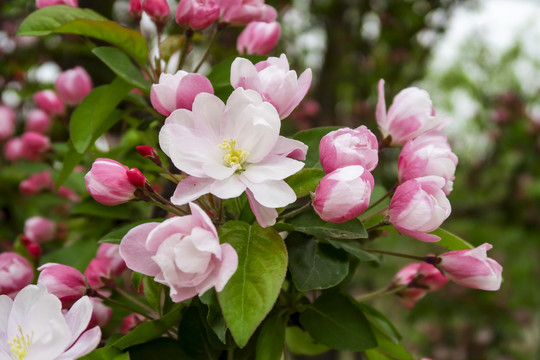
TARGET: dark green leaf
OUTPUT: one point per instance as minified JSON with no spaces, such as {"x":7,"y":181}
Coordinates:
{"x":136,"y":279}
{"x":380,"y":322}
{"x":450,"y":241}
{"x":309,"y":222}
{"x":314,"y":265}
{"x":106,"y":353}
{"x":214,"y":317}
{"x":91,"y":207}
{"x":115,"y":236}
{"x":312,"y":138}
{"x":354,"y":248}
{"x":193,"y":337}
{"x":387,"y":349}
{"x":301,"y":343}
{"x":305,"y":181}
{"x":71,"y":159}
{"x":271,"y":340}
{"x":152,"y":291}
{"x":77,"y":255}
{"x":220,"y":75}
{"x":162,"y":349}
{"x":122,"y":66}
{"x":253,"y":289}
{"x":335,"y":321}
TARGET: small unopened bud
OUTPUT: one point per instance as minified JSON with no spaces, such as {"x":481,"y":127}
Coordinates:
{"x":135,"y":9}
{"x":136,"y":177}
{"x":158,"y":10}
{"x":149,"y":153}
{"x":33,"y":249}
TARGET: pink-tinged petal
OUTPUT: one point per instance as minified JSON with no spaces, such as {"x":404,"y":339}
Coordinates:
{"x":5,"y":308}
{"x":209,"y":110}
{"x":201,"y":219}
{"x":380,"y":113}
{"x":244,"y":74}
{"x":229,"y":264}
{"x":218,"y":171}
{"x":176,"y":225}
{"x":78,"y":317}
{"x":182,"y":117}
{"x":291,"y":148}
{"x":272,"y":193}
{"x":190,"y":189}
{"x":190,"y":86}
{"x":228,"y":188}
{"x":88,"y":341}
{"x":192,"y":259}
{"x":183,"y":293}
{"x":133,"y":250}
{"x":273,"y":167}
{"x":418,"y":235}
{"x":266,"y":216}
{"x":304,"y":83}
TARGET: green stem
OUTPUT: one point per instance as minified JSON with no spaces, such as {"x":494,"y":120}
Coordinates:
{"x":188,"y":35}
{"x":391,"y":253}
{"x":213,"y":38}
{"x":125,"y":306}
{"x":230,"y":354}
{"x":380,"y":293}
{"x":296,"y":211}
{"x":170,"y":206}
{"x":388,"y":193}
{"x":378,"y":212}
{"x":133,"y":299}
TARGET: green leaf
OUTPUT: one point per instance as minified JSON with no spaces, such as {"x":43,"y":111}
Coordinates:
{"x":106,"y":353}
{"x":149,"y":330}
{"x":387,"y":349}
{"x":305,"y":181}
{"x":115,"y":236}
{"x":271,"y":340}
{"x":95,"y":113}
{"x":137,"y":279}
{"x":214,"y":317}
{"x":45,"y":20}
{"x":335,"y":321}
{"x":301,"y":343}
{"x":193,"y":337}
{"x":124,"y":356}
{"x":220,"y":75}
{"x":121,"y":65}
{"x":152,"y":292}
{"x":253,"y":289}
{"x":71,"y":159}
{"x":314,"y":265}
{"x":312,"y":138}
{"x":380,"y":322}
{"x":309,"y":222}
{"x":162,"y":349}
{"x":77,"y":255}
{"x":451,"y":241}
{"x":354,"y":248}
{"x":93,"y":208}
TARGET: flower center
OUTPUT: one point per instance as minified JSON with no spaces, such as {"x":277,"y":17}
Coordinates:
{"x":233,"y":156}
{"x":19,"y":344}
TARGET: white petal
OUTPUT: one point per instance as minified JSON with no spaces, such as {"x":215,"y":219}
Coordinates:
{"x":228,"y":188}
{"x":272,"y":168}
{"x":190,"y":189}
{"x":78,"y":317}
{"x":271,"y":193}
{"x":88,"y":341}
{"x":265,"y":216}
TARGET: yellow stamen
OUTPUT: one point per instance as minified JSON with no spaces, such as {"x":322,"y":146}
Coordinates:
{"x":20,"y":344}
{"x":233,"y":156}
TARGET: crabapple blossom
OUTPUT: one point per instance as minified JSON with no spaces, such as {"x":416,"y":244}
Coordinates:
{"x":183,"y":252}
{"x":343,"y":194}
{"x":428,"y":154}
{"x":101,"y":314}
{"x":15,"y":273}
{"x":7,"y":122}
{"x":178,"y":91}
{"x":105,"y":266}
{"x":37,"y":182}
{"x":258,"y":38}
{"x":273,"y":80}
{"x":108,"y":182}
{"x":34,"y":145}
{"x":44,"y":3}
{"x":33,"y":326}
{"x":13,"y":149}
{"x":231,"y":148}
{"x":419,"y":206}
{"x":158,"y":10}
{"x":410,"y":115}
{"x":65,"y":282}
{"x":421,"y":278}
{"x":50,"y":102}
{"x":38,"y":121}
{"x":197,"y":14}
{"x":73,"y":85}
{"x":472,"y":268}
{"x":346,"y":147}
{"x":135,"y":9}
{"x":39,"y":229}
{"x":242,"y":12}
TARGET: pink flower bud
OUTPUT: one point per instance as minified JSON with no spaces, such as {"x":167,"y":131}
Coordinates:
{"x":111,"y":252}
{"x":135,"y":9}
{"x":44,"y":3}
{"x":242,"y":12}
{"x":158,"y":10}
{"x":35,"y":145}
{"x":178,"y":91}
{"x":472,"y":268}
{"x":38,"y":121}
{"x":428,"y":154}
{"x":13,"y":150}
{"x":419,"y":206}
{"x":136,"y":177}
{"x":33,"y":249}
{"x":130,"y":322}
{"x":15,"y":273}
{"x":258,"y":38}
{"x":49,"y":101}
{"x":346,"y":147}
{"x":108,"y":183}
{"x":73,"y":85}
{"x":410,"y":115}
{"x":101,"y":314}
{"x":196,"y":14}
{"x":421,"y":278}
{"x":35,"y":183}
{"x":273,"y":80}
{"x":65,"y":282}
{"x":343,"y":194}
{"x":69,"y":194}
{"x":146,"y":151}
{"x":7,"y":122}
{"x":39,"y":229}
{"x":98,"y":273}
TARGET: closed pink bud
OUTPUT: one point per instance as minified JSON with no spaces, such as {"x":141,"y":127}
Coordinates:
{"x":68,"y":194}
{"x":73,"y":85}
{"x":146,"y":151}
{"x":15,"y":273}
{"x":35,"y":183}
{"x":196,"y":14}
{"x":178,"y":91}
{"x":13,"y":150}
{"x":108,"y":183}
{"x":472,"y":268}
{"x":35,"y":145}
{"x":50,"y":102}
{"x":44,"y":3}
{"x":39,"y":229}
{"x":65,"y":282}
{"x":33,"y":249}
{"x":421,"y":278}
{"x":243,"y":12}
{"x":130,"y":322}
{"x":98,"y":273}
{"x":343,"y":194}
{"x":158,"y":10}
{"x":273,"y":80}
{"x":258,"y":38}
{"x":419,"y":206}
{"x":410,"y":115}
{"x":111,"y":252}
{"x":101,"y":314}
{"x":346,"y":147}
{"x":7,"y":122}
{"x":136,"y":177}
{"x":135,"y":9}
{"x":428,"y":154}
{"x":38,"y":121}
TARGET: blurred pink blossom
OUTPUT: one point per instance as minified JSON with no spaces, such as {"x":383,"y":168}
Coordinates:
{"x":73,"y":85}
{"x":196,"y":14}
{"x":258,"y":38}
{"x":15,"y":273}
{"x":7,"y":122}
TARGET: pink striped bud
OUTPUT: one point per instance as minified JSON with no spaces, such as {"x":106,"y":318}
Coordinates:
{"x":346,"y":147}
{"x":35,"y":145}
{"x":108,"y":183}
{"x":421,"y":278}
{"x":196,"y":14}
{"x":343,"y":194}
{"x":111,"y":252}
{"x":44,"y":3}
{"x":158,"y":10}
{"x":38,"y":121}
{"x":258,"y":38}
{"x":65,"y":282}
{"x":15,"y":273}
{"x":472,"y":268}
{"x":50,"y":102}
{"x":242,"y":12}
{"x":73,"y":85}
{"x":39,"y":229}
{"x":7,"y":122}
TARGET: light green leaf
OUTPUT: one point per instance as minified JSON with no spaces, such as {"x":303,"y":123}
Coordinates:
{"x":106,"y":353}
{"x":252,"y":291}
{"x":380,"y":322}
{"x":309,"y":222}
{"x":71,"y":159}
{"x":305,"y":181}
{"x":354,"y":248}
{"x":122,"y":66}
{"x":301,"y":343}
{"x":271,"y":340}
{"x":451,"y":241}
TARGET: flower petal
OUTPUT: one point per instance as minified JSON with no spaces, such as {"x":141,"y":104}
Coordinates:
{"x":265,"y":216}
{"x":190,"y":189}
{"x":271,"y":193}
{"x":273,"y":167}
{"x":133,"y":250}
